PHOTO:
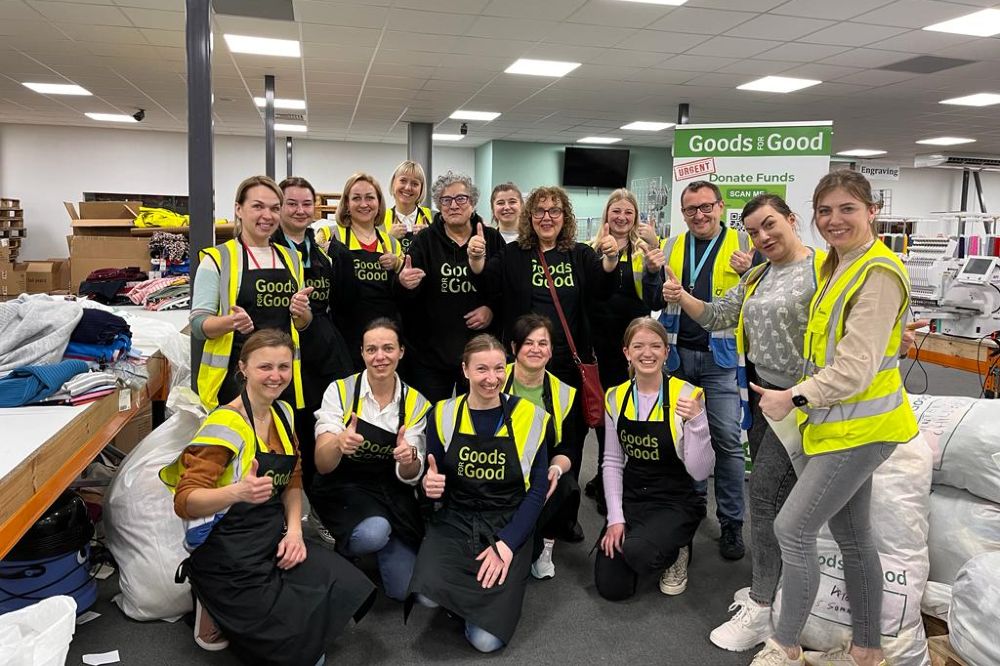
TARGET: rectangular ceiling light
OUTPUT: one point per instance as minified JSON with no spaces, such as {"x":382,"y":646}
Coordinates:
{"x":643,"y":126}
{"x":281,"y":103}
{"x":279,"y":127}
{"x":57,"y":88}
{"x":288,"y":48}
{"x":447,"y":137}
{"x":541,"y":67}
{"x":979,"y":99}
{"x":945,"y":141}
{"x":474,"y":115}
{"x":861,"y":152}
{"x":674,"y":3}
{"x":778,"y":84}
{"x":978,"y":24}
{"x":598,"y":139}
{"x":112,"y":117}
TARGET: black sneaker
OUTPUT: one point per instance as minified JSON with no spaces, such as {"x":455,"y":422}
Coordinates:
{"x":731,"y":544}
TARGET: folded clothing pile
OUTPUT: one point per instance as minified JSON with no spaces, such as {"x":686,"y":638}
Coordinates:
{"x":165,"y":293}
{"x":171,"y":252}
{"x":110,"y":285}
{"x":101,"y":337}
{"x":83,"y":388}
{"x":33,"y":383}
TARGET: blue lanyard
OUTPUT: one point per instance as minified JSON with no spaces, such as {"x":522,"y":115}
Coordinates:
{"x":293,"y":248}
{"x":695,"y":269}
{"x":635,"y":401}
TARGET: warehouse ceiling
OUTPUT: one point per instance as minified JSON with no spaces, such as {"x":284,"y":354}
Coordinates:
{"x":369,"y":66}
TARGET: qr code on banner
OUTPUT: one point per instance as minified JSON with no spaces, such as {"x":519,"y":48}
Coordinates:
{"x":734,"y":220}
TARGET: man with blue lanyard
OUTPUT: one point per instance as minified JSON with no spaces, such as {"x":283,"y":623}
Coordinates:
{"x":708,"y":260}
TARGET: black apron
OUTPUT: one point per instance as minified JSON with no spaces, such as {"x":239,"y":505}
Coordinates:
{"x":658,"y":495}
{"x":474,"y":511}
{"x":374,"y":296}
{"x":270,"y":615}
{"x":407,"y":238}
{"x":265,"y":294}
{"x":610,"y":318}
{"x":365,"y":485}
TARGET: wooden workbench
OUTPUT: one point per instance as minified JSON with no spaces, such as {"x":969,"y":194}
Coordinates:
{"x":952,"y":352}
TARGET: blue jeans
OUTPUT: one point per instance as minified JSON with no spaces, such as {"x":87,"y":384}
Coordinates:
{"x":722,"y":401}
{"x":478,"y":637}
{"x":395,"y":559}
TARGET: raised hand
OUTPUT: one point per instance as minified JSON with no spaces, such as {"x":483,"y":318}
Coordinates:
{"x":252,"y":488}
{"x":300,"y":302}
{"x":388,"y":261}
{"x":410,"y":277}
{"x":477,"y":243}
{"x":647,"y":233}
{"x":350,"y":440}
{"x":654,"y":259}
{"x":672,"y":289}
{"x":606,"y":244}
{"x":433,"y":481}
{"x":688,"y":408}
{"x":404,"y":453}
{"x":397,"y":230}
{"x":740,"y":261}
{"x":241,"y":321}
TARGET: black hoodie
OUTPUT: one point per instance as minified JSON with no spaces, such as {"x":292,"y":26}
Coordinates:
{"x":436,"y":309}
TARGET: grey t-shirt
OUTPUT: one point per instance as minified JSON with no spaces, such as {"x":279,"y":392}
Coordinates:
{"x":774,"y":319}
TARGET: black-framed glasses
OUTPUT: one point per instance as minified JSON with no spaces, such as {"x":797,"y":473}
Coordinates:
{"x":705,"y":208}
{"x":460,"y":199}
{"x":554,"y":213}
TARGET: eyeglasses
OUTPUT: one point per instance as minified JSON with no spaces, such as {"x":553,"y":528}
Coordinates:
{"x":705,"y":209}
{"x":554,"y":213}
{"x":461,"y":200}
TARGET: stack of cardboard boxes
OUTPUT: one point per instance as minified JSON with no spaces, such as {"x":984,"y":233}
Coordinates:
{"x":33,"y":277}
{"x":102,"y":238}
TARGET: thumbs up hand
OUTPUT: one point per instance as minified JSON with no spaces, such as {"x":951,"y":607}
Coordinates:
{"x":606,"y":243}
{"x":350,"y":440}
{"x":776,"y":405}
{"x":300,"y":302}
{"x":404,"y":453}
{"x":252,"y":488}
{"x":647,"y":233}
{"x":654,"y":259}
{"x":388,"y":261}
{"x":672,"y":289}
{"x":477,"y":243}
{"x":740,"y":261}
{"x":410,"y":277}
{"x":240,"y":320}
{"x":433,"y":481}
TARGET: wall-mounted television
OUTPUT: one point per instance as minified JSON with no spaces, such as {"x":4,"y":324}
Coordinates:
{"x":595,"y":167}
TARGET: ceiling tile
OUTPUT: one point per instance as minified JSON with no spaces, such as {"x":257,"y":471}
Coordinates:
{"x":323,"y":11}
{"x":820,"y":71}
{"x":591,"y":35}
{"x":159,"y":20}
{"x":876,"y":77}
{"x":920,"y":41}
{"x":463,"y":7}
{"x":854,"y":34}
{"x":863,"y":58}
{"x":501,"y":27}
{"x":701,"y":21}
{"x":784,"y":28}
{"x":732,"y":47}
{"x":103,"y":33}
{"x":620,"y":14}
{"x":979,"y":49}
{"x":696,"y":63}
{"x":436,"y":23}
{"x":913,"y":13}
{"x":802,"y":52}
{"x":624,"y":58}
{"x":69,"y":12}
{"x":172,"y":38}
{"x":543,"y":11}
{"x":757,"y":67}
{"x":662,"y":42}
{"x":338,"y":36}
{"x":824,"y":9}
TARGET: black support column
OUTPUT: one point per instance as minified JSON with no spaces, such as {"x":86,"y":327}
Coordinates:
{"x":419,"y":142}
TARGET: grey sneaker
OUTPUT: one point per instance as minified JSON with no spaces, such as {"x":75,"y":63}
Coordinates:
{"x":675,"y":577}
{"x":321,"y":530}
{"x":543,"y":567}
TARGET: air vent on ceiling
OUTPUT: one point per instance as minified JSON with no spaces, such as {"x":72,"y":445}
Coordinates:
{"x":925,"y":64}
{"x":289,"y":116}
{"x":275,"y":10}
{"x":958,"y":161}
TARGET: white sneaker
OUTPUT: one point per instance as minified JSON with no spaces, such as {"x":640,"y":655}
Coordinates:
{"x":543,"y":567}
{"x":836,"y":657}
{"x":321,"y":530}
{"x":675,"y":578}
{"x":774,"y":655}
{"x":751,"y":625}
{"x":741,"y":594}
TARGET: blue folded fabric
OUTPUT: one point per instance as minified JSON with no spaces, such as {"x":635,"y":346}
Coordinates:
{"x":100,"y":353}
{"x":98,"y":327}
{"x":32,"y":383}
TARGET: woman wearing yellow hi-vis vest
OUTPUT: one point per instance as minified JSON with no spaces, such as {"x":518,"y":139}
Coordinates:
{"x":407,"y":217}
{"x":658,"y":445}
{"x":486,"y":463}
{"x":852,"y":413}
{"x":247,"y":284}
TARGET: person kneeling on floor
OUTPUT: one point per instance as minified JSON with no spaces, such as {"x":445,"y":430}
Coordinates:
{"x":658,"y":445}
{"x":238,"y":488}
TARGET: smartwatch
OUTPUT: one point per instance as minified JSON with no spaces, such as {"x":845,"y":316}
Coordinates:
{"x":800,"y":400}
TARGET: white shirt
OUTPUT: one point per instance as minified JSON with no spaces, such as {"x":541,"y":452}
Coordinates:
{"x":330,"y":418}
{"x":409,"y":221}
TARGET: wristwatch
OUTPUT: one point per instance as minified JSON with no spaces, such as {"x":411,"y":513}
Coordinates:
{"x":800,"y":400}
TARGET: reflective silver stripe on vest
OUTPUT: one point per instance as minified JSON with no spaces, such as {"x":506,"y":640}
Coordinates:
{"x":854,"y":410}
{"x":563,"y":396}
{"x":888,"y":363}
{"x":536,"y":435}
{"x":744,"y":241}
{"x":226,"y":274}
{"x":448,"y":424}
{"x":727,"y":333}
{"x":841,"y":302}
{"x":220,"y":361}
{"x":217,"y":431}
{"x":669,"y":248}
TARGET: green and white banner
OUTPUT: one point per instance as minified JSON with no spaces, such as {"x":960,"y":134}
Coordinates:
{"x":744,"y":160}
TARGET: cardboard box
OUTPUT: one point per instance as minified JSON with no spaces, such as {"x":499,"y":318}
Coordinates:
{"x":89,"y":253}
{"x":46,"y":276}
{"x":135,"y":430}
{"x":13,"y":280}
{"x":112,"y":218}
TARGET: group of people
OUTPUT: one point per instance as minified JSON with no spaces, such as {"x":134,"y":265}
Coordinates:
{"x":426,"y":379}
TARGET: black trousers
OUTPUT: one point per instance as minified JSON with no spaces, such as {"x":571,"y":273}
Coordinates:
{"x":558,"y":516}
{"x":305,"y":431}
{"x":434,"y":382}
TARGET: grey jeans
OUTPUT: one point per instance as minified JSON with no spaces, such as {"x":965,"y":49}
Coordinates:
{"x":834,"y":487}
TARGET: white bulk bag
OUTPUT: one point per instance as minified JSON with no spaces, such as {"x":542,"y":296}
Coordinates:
{"x":962,"y":432}
{"x":39,"y":634}
{"x":144,"y":534}
{"x":962,"y":526}
{"x":975,"y":611}
{"x":900,"y":487}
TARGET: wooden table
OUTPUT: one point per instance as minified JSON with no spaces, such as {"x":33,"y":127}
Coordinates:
{"x":952,"y":352}
{"x":38,"y":480}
